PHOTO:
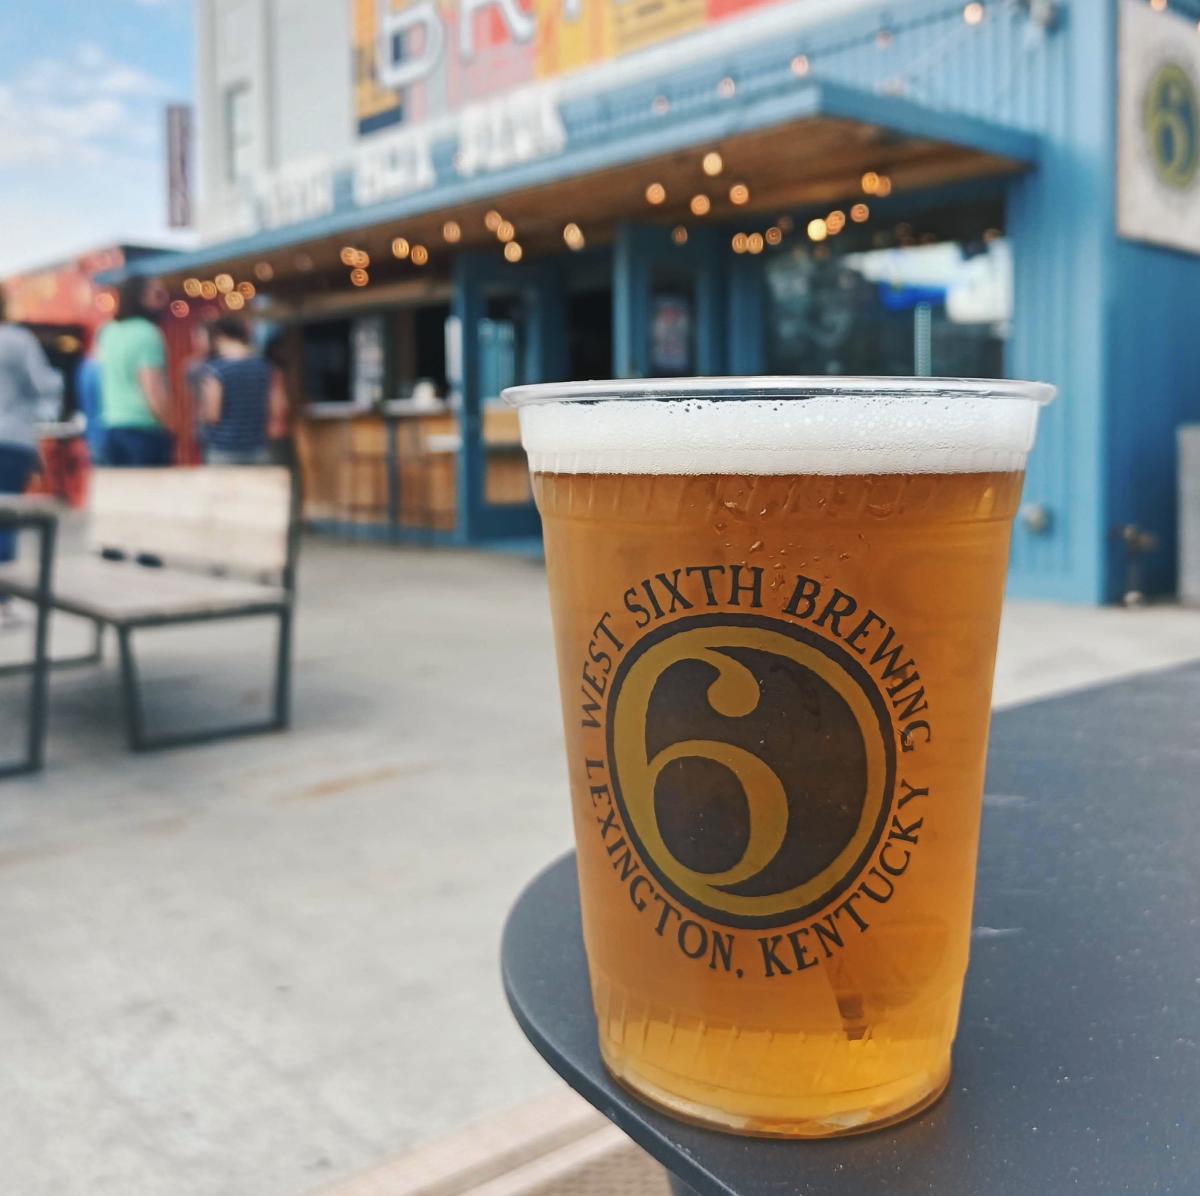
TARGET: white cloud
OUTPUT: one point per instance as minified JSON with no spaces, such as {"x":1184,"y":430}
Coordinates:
{"x":85,"y":107}
{"x":88,"y":70}
{"x":80,"y":156}
{"x":129,"y":81}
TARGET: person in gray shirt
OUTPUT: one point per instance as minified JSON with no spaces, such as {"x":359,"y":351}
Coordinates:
{"x":30,"y":388}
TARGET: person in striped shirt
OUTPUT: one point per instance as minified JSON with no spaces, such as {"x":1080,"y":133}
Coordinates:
{"x":242,"y":399}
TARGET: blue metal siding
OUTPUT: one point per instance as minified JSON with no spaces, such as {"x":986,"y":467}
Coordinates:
{"x":1060,"y":219}
{"x":1154,"y":385}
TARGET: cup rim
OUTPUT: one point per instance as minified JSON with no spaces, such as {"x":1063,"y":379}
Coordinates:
{"x":777,"y":386}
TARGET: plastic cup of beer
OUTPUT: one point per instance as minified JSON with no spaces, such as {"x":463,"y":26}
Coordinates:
{"x":775,"y":606}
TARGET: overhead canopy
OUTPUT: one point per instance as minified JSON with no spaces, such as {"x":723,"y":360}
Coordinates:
{"x":809,"y":147}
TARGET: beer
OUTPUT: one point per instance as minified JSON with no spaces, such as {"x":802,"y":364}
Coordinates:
{"x":776,"y":623}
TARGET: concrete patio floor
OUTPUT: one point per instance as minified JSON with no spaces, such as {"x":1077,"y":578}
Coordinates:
{"x":252,"y":968}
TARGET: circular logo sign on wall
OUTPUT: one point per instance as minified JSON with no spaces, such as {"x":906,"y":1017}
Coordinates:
{"x":1171,"y":119}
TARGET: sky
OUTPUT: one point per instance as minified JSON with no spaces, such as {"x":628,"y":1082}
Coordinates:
{"x":82,"y":89}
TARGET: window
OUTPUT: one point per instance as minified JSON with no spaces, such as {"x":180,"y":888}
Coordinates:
{"x":929,"y":295}
{"x":239,"y":133}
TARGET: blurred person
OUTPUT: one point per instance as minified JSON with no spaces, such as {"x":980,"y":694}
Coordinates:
{"x":87,"y":398}
{"x":133,"y":382}
{"x":279,"y":418}
{"x":195,"y":369}
{"x":242,"y":399}
{"x":29,"y":388}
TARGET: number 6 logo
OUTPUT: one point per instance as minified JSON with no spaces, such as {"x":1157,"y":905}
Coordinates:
{"x":1169,"y":115}
{"x":753,"y":764}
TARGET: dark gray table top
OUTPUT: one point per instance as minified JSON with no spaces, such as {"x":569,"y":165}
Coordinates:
{"x":1077,"y":1065}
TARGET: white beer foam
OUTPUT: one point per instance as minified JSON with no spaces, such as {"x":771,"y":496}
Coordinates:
{"x":843,"y":434}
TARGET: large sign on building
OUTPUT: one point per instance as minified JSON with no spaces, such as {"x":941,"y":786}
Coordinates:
{"x":1158,"y":128}
{"x":417,"y":60}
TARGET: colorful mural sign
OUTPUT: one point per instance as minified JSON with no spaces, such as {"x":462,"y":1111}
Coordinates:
{"x":418,"y":60}
{"x":1158,"y":128}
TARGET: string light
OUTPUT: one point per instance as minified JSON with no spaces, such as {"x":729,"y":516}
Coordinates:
{"x":754,"y":243}
{"x":1159,"y":5}
{"x":234,"y":301}
{"x":700,"y":204}
{"x":679,"y":235}
{"x":419,"y":255}
{"x":726,"y":88}
{"x":362,"y":259}
{"x":835,"y":222}
{"x":774,"y":235}
{"x":505,"y":231}
{"x":491,"y":220}
{"x":973,"y":13}
{"x":870,"y":183}
{"x":860,"y":213}
{"x":179,"y":308}
{"x":359,"y":277}
{"x":452,"y":231}
{"x":400,"y":248}
{"x":513,"y":252}
{"x":739,"y":193}
{"x":208,"y":290}
{"x":738,"y":243}
{"x":884,"y":187}
{"x":786,"y":223}
{"x":817,"y":230}
{"x":224,"y":283}
{"x":106,"y":302}
{"x":712,"y":164}
{"x":348,"y":254}
{"x":264,"y":271}
{"x":191,"y":287}
{"x":800,"y":66}
{"x":246,"y":290}
{"x":656,"y":193}
{"x":573,"y":236}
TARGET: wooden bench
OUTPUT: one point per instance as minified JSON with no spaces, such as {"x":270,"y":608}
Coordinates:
{"x":227,"y":540}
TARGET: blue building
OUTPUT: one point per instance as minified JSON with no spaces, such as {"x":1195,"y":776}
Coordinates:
{"x":432,"y":201}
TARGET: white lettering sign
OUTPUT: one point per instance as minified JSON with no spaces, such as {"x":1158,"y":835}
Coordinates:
{"x":521,"y":26}
{"x":295,"y":195}
{"x":397,"y":164}
{"x":397,"y":70}
{"x":505,"y":132}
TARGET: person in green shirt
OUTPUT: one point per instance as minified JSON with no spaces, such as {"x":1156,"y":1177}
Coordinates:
{"x":133,"y":383}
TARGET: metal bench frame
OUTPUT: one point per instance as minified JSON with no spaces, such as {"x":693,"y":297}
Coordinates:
{"x":139,"y":739}
{"x":46,"y":525}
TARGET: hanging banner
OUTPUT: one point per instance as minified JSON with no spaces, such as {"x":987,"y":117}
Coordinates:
{"x":1158,"y":128}
{"x":179,"y":166}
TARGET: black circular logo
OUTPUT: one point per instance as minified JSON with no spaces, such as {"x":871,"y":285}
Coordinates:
{"x":753,"y":765}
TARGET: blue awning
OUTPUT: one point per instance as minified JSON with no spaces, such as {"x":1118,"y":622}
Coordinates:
{"x":621,"y":128}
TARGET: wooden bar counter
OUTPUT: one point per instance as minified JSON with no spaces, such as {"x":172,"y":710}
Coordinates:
{"x":398,"y":466}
